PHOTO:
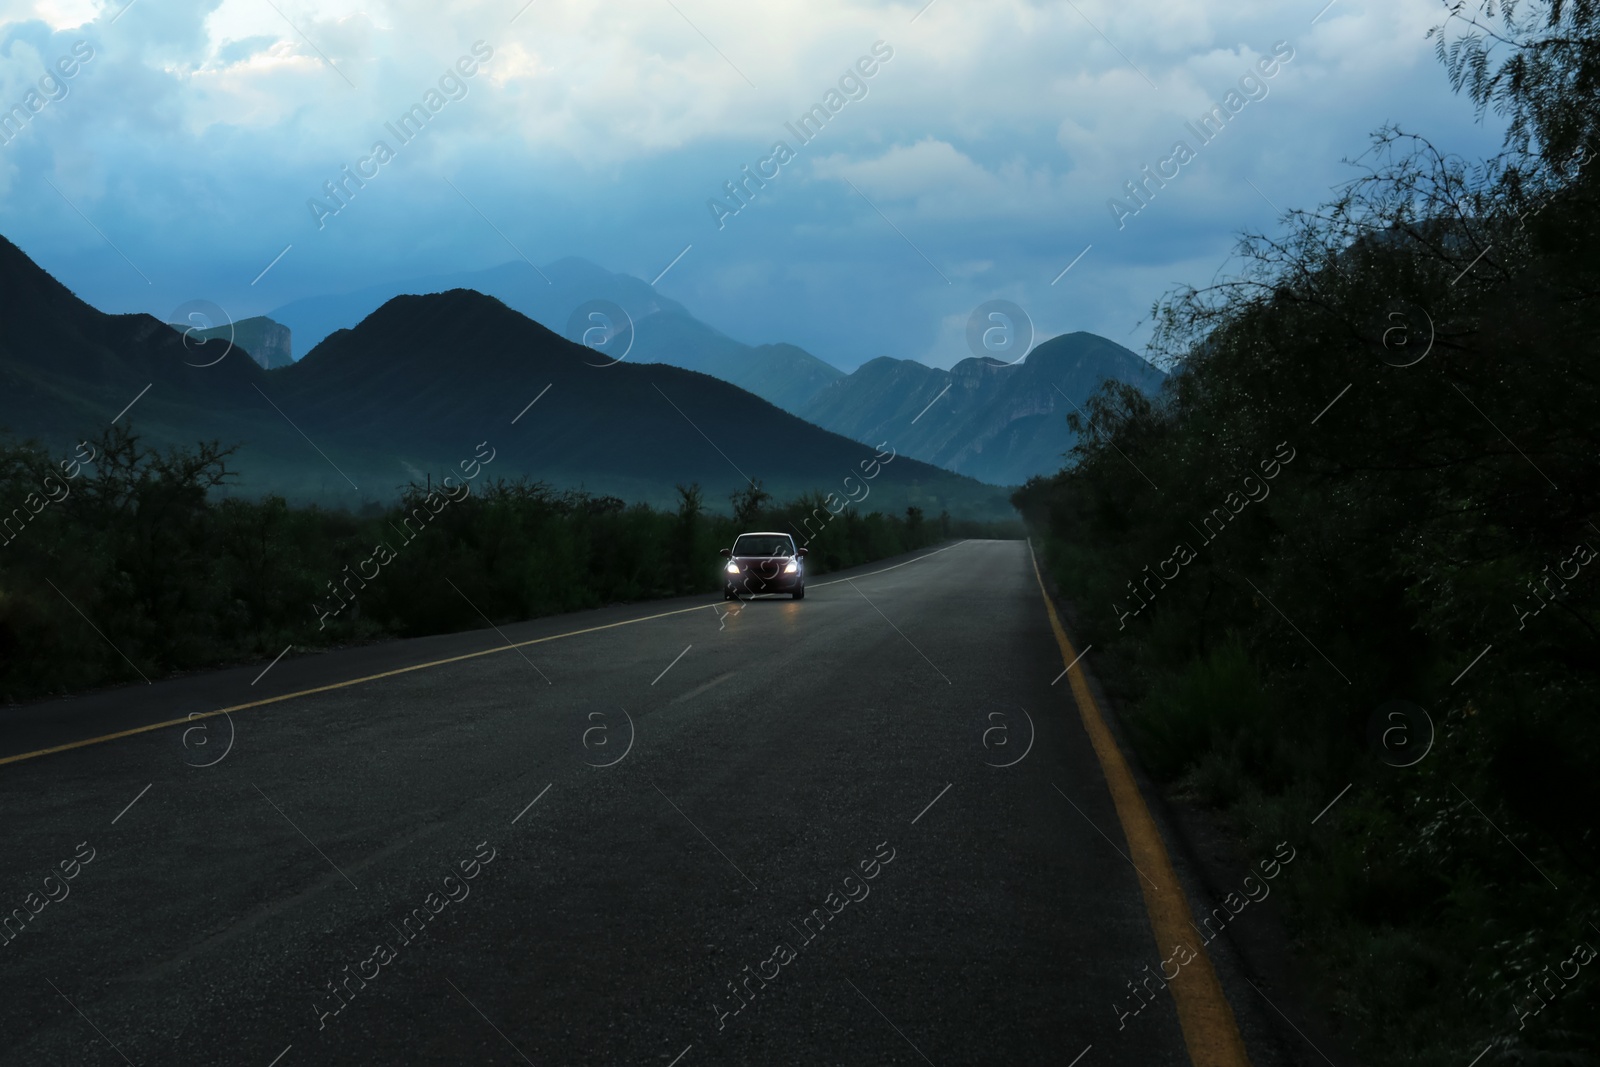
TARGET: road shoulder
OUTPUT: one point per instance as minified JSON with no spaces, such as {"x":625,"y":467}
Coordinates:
{"x":1251,"y":958}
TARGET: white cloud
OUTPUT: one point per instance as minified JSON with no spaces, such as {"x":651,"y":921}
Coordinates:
{"x":992,"y":138}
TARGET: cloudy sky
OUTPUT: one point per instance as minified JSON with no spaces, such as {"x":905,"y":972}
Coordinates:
{"x":975,"y":163}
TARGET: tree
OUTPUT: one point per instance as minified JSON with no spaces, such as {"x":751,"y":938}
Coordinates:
{"x":1540,"y":67}
{"x":692,"y":564}
{"x":749,"y":502}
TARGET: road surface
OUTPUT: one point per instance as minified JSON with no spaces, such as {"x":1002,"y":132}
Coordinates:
{"x":782,"y":834}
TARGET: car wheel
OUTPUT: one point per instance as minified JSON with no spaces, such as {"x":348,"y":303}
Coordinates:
{"x":727,"y":594}
{"x":800,"y":594}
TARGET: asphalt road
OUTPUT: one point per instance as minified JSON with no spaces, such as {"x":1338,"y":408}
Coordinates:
{"x":664,"y":801}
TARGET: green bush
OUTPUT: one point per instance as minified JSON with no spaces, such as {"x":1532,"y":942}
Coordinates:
{"x":139,"y":559}
{"x":1216,"y":702}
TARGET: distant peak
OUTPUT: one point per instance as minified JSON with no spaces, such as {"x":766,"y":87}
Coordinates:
{"x":450,"y":298}
{"x":889,"y":361}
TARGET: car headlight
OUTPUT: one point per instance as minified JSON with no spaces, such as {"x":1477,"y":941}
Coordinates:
{"x":733,"y":568}
{"x":792,"y":567}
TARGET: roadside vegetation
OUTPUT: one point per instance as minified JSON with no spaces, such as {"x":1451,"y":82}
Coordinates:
{"x":1423,"y":350}
{"x":129,"y":554}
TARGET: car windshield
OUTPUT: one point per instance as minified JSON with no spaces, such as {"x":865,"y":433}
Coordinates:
{"x":763,"y":545}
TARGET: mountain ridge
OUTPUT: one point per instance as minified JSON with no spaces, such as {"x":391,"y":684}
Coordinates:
{"x":664,"y":330}
{"x":411,"y":391}
{"x":1001,"y":423}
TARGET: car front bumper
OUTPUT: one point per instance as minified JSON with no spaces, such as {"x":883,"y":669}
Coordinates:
{"x":750,"y":583}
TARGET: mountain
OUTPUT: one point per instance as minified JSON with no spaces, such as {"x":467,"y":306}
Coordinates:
{"x":437,"y":374}
{"x":268,"y":343}
{"x":663,"y":330}
{"x":998,"y":423}
{"x":410,"y":392}
{"x":67,"y":370}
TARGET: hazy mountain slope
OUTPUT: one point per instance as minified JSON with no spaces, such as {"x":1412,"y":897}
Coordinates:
{"x":269,"y":343}
{"x":443,"y":372}
{"x":1000,"y":424}
{"x":785,"y":374}
{"x":664,"y":330}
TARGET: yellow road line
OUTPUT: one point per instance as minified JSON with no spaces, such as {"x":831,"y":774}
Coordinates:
{"x":1209,"y":1028}
{"x":335,"y":685}
{"x":196,"y":717}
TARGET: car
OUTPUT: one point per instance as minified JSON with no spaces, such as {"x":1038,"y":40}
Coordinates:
{"x":764,"y":562}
